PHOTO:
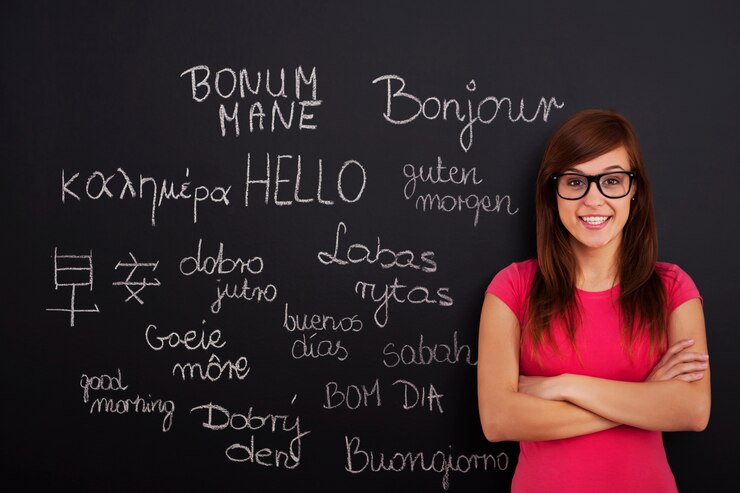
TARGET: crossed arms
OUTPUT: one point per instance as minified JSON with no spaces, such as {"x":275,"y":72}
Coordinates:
{"x":675,"y":397}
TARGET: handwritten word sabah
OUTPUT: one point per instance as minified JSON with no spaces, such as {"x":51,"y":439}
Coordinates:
{"x":123,"y":406}
{"x":102,"y":186}
{"x":218,"y":418}
{"x":423,"y":354}
{"x":221,"y":265}
{"x":483,"y":111}
{"x":227,"y":84}
{"x":385,"y":257}
{"x":351,"y":172}
{"x":309,"y":346}
{"x":451,"y":203}
{"x":356,"y":396}
{"x":359,"y":460}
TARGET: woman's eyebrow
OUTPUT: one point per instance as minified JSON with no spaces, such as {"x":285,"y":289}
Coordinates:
{"x":610,"y":168}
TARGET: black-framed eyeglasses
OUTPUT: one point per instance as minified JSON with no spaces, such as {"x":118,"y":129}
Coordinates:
{"x":573,"y":186}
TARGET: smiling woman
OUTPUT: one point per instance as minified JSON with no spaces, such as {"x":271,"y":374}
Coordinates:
{"x":588,"y":352}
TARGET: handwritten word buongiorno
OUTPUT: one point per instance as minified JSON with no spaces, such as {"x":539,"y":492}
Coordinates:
{"x":281,"y":105}
{"x":441,"y":174}
{"x":468,"y":112}
{"x":359,"y":460}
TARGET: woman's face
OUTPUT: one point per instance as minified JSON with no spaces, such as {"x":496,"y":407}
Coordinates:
{"x":594,"y":221}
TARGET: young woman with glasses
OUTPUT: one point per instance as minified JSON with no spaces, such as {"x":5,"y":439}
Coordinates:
{"x":588,"y":352}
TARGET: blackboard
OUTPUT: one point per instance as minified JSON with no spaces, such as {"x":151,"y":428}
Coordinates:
{"x":247,"y":242}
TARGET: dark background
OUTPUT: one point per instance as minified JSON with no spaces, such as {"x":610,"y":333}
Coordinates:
{"x":96,"y":86}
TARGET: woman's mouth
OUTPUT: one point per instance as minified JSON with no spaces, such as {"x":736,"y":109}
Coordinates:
{"x":594,"y":222}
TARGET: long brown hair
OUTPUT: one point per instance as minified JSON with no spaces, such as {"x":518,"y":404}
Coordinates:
{"x":583,"y":137}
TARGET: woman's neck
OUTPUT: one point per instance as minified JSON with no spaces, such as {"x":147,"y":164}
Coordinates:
{"x":597,"y":268}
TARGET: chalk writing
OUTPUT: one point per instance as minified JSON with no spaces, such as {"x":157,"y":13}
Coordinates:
{"x":308,"y":347}
{"x":484,"y":111}
{"x":385,"y":257}
{"x":423,"y":354}
{"x":129,"y":284}
{"x":345,"y":175}
{"x":110,"y":405}
{"x":77,"y":271}
{"x":190,"y":340}
{"x":227,"y":83}
{"x":219,"y":418}
{"x":320,"y":323}
{"x":428,"y":397}
{"x":98,"y":185}
{"x":399,"y":293}
{"x":451,"y":202}
{"x":214,"y":369}
{"x":225,"y":265}
{"x":359,"y":460}
{"x":352,"y":396}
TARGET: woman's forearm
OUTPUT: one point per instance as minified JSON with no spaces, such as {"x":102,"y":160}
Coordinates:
{"x":518,"y":416}
{"x":671,"y":405}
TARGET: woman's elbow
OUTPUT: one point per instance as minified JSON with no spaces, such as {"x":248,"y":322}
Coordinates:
{"x":494,"y":429}
{"x":700,"y":419}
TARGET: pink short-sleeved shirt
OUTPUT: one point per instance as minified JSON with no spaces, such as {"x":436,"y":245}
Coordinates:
{"x":621,"y":459}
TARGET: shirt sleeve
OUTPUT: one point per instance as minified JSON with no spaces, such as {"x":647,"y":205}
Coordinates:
{"x":680,"y":288}
{"x":507,"y":286}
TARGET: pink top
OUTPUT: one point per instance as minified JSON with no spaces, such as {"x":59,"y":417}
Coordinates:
{"x":621,"y":459}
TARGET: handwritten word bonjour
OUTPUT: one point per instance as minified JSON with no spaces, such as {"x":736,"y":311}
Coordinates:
{"x":227,"y":84}
{"x":484,"y":111}
{"x":451,"y":203}
{"x":123,"y":406}
{"x":98,"y":186}
{"x":219,"y":418}
{"x":359,"y":460}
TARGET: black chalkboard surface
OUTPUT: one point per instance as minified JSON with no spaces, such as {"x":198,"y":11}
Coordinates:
{"x":247,"y":242}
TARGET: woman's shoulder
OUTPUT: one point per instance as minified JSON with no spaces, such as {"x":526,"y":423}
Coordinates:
{"x":678,"y":284}
{"x":517,"y":275}
{"x":669,"y":272}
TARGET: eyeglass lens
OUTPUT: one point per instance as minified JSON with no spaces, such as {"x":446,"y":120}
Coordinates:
{"x":612,"y":185}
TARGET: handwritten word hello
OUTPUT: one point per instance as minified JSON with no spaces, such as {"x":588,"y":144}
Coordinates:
{"x":272,"y":180}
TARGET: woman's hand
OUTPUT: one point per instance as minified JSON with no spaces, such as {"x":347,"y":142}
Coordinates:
{"x":550,"y":388}
{"x":680,"y":364}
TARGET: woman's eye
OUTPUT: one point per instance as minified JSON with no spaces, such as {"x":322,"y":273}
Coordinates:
{"x":575,"y":182}
{"x":611,"y":181}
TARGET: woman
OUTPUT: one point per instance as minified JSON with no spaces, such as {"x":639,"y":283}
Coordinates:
{"x":589,"y":352}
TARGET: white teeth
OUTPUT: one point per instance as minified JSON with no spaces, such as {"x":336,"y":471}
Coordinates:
{"x":595,"y":219}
